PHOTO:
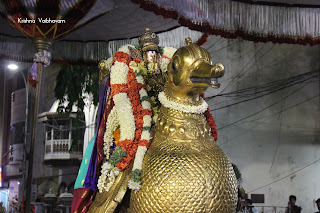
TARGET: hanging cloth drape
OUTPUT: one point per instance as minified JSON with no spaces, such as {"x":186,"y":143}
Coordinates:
{"x":231,"y":19}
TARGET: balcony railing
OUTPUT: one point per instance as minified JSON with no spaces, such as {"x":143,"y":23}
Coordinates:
{"x":59,"y":150}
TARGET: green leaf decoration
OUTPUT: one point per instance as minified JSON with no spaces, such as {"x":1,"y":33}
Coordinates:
{"x":117,"y":155}
{"x":136,"y":175}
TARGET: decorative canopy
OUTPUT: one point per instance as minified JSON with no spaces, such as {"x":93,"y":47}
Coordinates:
{"x":52,"y":19}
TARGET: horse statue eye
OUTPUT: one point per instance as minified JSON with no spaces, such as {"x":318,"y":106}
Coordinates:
{"x":174,"y":67}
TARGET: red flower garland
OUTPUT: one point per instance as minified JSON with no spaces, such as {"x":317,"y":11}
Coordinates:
{"x":138,"y":113}
{"x":122,"y":57}
{"x":211,"y":122}
{"x":118,"y":88}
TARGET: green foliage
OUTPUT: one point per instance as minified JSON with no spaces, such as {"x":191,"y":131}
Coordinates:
{"x":73,"y":82}
{"x":237,"y":171}
{"x":117,"y":155}
{"x":161,"y":50}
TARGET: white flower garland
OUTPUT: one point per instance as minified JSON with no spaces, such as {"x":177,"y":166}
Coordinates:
{"x":126,"y":118}
{"x":181,"y":107}
{"x":111,"y":126}
{"x":169,"y":51}
{"x":119,"y":73}
{"x":107,"y":177}
{"x":145,"y":135}
{"x":122,"y":114}
{"x":164,"y":64}
{"x":108,"y":172}
{"x":137,"y":166}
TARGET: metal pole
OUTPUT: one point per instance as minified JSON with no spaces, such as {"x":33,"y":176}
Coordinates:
{"x":25,"y":131}
{"x":40,"y":44}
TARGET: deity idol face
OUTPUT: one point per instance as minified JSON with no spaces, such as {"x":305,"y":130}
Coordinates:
{"x":151,"y":56}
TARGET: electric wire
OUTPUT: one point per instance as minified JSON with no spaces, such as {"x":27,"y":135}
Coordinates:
{"x":265,"y":89}
{"x":268,"y":86}
{"x":270,"y":92}
{"x":240,"y":72}
{"x":261,"y":109}
{"x":268,"y":116}
{"x":306,"y":166}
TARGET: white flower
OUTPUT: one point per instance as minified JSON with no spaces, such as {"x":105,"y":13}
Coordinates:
{"x":146,"y":105}
{"x":164,"y":64}
{"x":107,"y":177}
{"x":145,"y":135}
{"x":134,"y":185}
{"x":139,"y":158}
{"x":140,"y":80}
{"x":119,"y":73}
{"x":125,"y":48}
{"x":182,"y":107}
{"x":169,"y":51}
{"x":147,"y":121}
{"x":126,"y":118}
{"x":143,"y":93}
{"x":137,"y":166}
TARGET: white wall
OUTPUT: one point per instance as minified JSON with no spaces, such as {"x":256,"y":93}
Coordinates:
{"x":278,"y":154}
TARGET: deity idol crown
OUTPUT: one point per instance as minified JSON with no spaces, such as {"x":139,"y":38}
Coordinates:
{"x":148,"y":41}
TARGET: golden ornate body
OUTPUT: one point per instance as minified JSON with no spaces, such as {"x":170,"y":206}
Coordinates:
{"x":184,"y":170}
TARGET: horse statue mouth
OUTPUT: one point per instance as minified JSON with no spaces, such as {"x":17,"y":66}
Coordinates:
{"x":216,"y":71}
{"x":200,"y":80}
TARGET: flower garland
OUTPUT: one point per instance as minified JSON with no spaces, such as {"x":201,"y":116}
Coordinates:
{"x":111,"y":126}
{"x":135,"y":182}
{"x":133,"y":111}
{"x":168,"y":52}
{"x":182,"y":107}
{"x":203,"y":108}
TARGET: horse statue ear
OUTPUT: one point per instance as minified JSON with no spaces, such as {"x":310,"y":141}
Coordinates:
{"x":188,"y":41}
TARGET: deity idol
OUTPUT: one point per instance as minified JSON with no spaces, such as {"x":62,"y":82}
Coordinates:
{"x":156,"y":99}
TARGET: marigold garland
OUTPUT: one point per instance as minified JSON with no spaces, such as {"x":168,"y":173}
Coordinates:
{"x":124,"y":84}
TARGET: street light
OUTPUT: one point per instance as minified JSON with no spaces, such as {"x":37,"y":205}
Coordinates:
{"x":13,"y":66}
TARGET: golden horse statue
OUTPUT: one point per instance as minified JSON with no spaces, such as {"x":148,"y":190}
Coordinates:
{"x":184,"y":169}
